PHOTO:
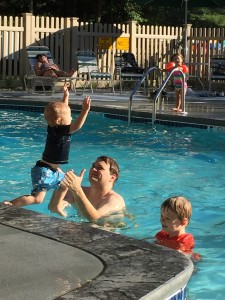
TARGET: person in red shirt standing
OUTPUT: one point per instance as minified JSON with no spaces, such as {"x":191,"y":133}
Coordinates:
{"x":175,"y":217}
{"x":177,"y":61}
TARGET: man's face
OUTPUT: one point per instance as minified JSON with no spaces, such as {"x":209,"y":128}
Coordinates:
{"x":100,"y":172}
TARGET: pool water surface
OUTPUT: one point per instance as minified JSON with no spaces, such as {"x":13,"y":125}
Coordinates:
{"x":155,"y":164}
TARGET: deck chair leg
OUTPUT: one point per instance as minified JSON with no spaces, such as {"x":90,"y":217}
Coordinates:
{"x":53,"y":88}
{"x":25,"y":83}
{"x":75,"y":86}
{"x":43,"y":87}
{"x":120,"y":87}
{"x":91,"y":86}
{"x":85,"y":83}
{"x":84,"y":87}
{"x":113,"y":89}
{"x":41,"y":82}
{"x":96,"y":84}
{"x":72,"y":86}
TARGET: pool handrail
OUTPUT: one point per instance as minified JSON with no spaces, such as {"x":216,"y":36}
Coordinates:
{"x":138,"y":84}
{"x":175,"y":69}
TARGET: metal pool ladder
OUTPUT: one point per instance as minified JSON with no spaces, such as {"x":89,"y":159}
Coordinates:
{"x":139,"y":83}
{"x":159,"y":71}
{"x":161,"y":89}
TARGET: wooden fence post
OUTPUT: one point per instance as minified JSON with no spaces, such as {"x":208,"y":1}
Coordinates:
{"x":132,"y":32}
{"x":188,"y":43}
{"x":74,"y":40}
{"x":28,"y":39}
{"x":67,"y":44}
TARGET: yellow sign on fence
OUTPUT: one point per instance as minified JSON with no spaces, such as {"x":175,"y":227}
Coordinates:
{"x":105,"y":42}
{"x":123,"y":43}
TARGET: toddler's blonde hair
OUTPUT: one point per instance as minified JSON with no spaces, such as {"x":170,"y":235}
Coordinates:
{"x":54,"y":111}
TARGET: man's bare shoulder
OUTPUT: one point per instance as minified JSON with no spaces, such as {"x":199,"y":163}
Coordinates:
{"x":116,"y":199}
{"x":115,"y":194}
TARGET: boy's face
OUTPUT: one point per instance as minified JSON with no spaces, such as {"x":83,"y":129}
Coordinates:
{"x":178,"y":60}
{"x":170,"y":222}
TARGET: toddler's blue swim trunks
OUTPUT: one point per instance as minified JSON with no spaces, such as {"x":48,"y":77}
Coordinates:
{"x":45,"y":178}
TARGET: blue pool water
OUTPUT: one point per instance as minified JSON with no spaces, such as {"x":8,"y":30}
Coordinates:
{"x":155,"y":164}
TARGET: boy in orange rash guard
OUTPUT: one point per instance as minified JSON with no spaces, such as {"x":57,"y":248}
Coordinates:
{"x":175,"y":216}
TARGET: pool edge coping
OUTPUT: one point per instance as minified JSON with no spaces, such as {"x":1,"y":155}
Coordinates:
{"x":165,"y":118}
{"x":131,"y":265}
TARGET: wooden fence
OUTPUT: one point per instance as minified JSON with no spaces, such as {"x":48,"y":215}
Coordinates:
{"x":151,"y":45}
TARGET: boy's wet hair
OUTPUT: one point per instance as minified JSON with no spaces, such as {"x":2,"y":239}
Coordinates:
{"x":179,"y":205}
{"x":53,"y":111}
{"x":114,"y":168}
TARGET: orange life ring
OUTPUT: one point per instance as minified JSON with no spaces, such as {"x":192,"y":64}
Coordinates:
{"x":170,"y":66}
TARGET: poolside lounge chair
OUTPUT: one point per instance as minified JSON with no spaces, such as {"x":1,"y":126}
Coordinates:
{"x":41,"y":83}
{"x":87,"y":66}
{"x":127,"y":68}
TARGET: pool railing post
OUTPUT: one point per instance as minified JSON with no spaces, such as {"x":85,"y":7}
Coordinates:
{"x":183,"y":93}
{"x":144,"y":76}
{"x":129,"y":109}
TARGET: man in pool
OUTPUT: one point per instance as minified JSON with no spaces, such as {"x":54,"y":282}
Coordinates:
{"x":94,"y":202}
{"x":46,"y":174}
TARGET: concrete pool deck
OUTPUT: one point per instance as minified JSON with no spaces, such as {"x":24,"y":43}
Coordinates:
{"x":203,"y":110}
{"x":119,"y":267}
{"x":34,"y":267}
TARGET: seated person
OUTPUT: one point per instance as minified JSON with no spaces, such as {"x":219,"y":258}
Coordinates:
{"x":47,"y":69}
{"x":175,"y":217}
{"x":98,"y":200}
{"x":130,"y":64}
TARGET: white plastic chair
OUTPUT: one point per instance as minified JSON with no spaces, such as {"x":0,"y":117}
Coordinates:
{"x":87,"y":65}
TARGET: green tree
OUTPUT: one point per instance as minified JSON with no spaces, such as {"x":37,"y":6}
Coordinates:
{"x":204,"y":17}
{"x":115,"y":11}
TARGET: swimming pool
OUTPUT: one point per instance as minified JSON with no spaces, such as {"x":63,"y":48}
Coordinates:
{"x":155,"y":164}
